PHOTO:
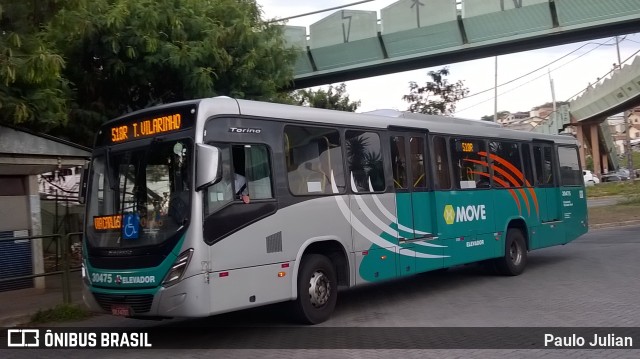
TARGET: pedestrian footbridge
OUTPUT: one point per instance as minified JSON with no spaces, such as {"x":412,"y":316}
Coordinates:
{"x":618,"y":91}
{"x":414,"y":34}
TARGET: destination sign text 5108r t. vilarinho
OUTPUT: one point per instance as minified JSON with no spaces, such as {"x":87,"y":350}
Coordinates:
{"x":145,"y":128}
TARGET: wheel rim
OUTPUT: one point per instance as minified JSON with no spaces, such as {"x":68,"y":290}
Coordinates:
{"x":515,"y":253}
{"x":319,"y":289}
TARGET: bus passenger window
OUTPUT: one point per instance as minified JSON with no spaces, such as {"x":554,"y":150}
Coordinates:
{"x":314,"y":158}
{"x":528,"y":166}
{"x":544,"y":165}
{"x":548,"y":165}
{"x":441,"y":163}
{"x":364,"y":158}
{"x":570,"y":174}
{"x":398,"y":162}
{"x":418,"y":174}
{"x":470,"y":167}
{"x":507,"y":166}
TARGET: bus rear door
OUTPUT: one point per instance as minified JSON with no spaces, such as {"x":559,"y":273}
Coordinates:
{"x":414,"y":204}
{"x":548,"y":191}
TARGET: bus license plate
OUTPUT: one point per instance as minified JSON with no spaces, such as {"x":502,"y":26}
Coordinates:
{"x":121,"y":310}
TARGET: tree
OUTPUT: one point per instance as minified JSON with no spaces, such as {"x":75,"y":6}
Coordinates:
{"x":127,"y":55}
{"x":32,"y":92}
{"x":436,"y":97}
{"x":490,"y":118}
{"x":334,"y":98}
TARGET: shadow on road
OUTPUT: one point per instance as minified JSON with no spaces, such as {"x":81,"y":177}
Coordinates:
{"x":369,"y":296}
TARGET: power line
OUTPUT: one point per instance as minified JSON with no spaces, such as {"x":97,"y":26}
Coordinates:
{"x":544,"y":66}
{"x":534,"y":79}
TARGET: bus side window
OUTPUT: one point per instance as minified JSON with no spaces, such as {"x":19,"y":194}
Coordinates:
{"x":313,"y":155}
{"x":416,"y":149}
{"x":570,"y":174}
{"x":364,"y":161}
{"x":548,"y":165}
{"x":398,"y":162}
{"x":544,"y":165}
{"x":470,"y":167}
{"x":441,"y":163}
{"x":252,"y":162}
{"x":528,"y":167}
{"x":507,"y":166}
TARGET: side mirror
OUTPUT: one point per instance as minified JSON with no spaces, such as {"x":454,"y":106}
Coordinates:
{"x":84,"y":179}
{"x":208,"y":166}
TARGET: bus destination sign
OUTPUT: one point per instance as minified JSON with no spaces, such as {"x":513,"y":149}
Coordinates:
{"x":144,"y":128}
{"x":147,"y":124}
{"x":109,"y":222}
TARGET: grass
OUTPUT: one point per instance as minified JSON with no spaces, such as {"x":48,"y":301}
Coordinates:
{"x":625,"y":188}
{"x":60,"y":313}
{"x":633,"y":200}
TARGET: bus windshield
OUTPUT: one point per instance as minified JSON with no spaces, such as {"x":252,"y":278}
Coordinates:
{"x":139,"y":197}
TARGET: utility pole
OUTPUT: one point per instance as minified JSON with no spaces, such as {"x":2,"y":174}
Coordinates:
{"x":627,"y":126}
{"x":553,"y":99}
{"x":495,"y":93}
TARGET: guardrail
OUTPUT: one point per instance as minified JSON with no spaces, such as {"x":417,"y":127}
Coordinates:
{"x":65,"y":257}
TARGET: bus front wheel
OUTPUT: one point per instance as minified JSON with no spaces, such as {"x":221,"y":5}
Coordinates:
{"x":317,"y":289}
{"x":515,"y":254}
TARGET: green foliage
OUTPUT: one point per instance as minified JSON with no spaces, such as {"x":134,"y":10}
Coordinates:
{"x":436,"y":97}
{"x":589,"y":164}
{"x":129,"y":55}
{"x":32,"y":91}
{"x":60,"y":313}
{"x":122,"y":55}
{"x":623,"y":188}
{"x":334,"y":98}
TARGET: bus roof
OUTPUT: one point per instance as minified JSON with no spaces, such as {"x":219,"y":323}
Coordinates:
{"x":380,"y":119}
{"x":392,"y":118}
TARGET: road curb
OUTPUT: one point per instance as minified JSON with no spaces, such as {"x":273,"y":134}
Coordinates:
{"x":614,"y":224}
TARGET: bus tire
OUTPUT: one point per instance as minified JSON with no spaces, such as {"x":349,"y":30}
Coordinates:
{"x":515,"y":254}
{"x":317,"y":289}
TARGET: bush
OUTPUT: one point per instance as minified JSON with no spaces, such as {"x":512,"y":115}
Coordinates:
{"x":60,"y":313}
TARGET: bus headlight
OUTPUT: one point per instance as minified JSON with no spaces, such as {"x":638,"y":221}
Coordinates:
{"x":178,"y":268}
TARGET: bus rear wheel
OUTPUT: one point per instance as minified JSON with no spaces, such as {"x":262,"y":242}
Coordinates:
{"x":515,"y":254}
{"x":317,"y":289}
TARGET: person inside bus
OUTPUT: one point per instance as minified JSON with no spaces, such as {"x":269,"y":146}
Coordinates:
{"x":242,"y":192}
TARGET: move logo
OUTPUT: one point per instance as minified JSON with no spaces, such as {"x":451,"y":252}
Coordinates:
{"x":468,"y":213}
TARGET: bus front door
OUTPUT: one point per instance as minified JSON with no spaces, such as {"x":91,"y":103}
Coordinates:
{"x":417,"y":247}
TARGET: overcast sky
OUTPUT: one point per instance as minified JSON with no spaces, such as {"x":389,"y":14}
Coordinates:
{"x":570,"y":75}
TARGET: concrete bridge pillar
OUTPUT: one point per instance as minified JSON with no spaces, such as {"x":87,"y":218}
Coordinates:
{"x":581,"y":144}
{"x":595,"y":149}
{"x":605,"y":163}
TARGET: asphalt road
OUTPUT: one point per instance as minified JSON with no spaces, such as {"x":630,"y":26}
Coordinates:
{"x":591,"y":282}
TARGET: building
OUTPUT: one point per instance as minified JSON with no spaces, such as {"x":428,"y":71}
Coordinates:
{"x":24,"y":155}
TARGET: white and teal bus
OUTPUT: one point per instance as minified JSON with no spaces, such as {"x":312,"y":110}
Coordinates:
{"x":209,"y":206}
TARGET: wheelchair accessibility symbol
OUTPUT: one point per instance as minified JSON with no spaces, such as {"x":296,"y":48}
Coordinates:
{"x":131,"y":226}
